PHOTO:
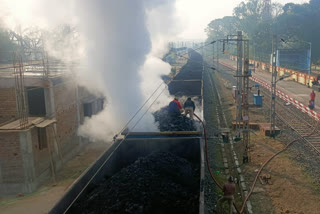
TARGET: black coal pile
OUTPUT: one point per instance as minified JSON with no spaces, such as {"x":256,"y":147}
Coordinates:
{"x":187,"y":88}
{"x":159,"y":183}
{"x":192,"y":69}
{"x":170,"y":122}
{"x":188,"y":80}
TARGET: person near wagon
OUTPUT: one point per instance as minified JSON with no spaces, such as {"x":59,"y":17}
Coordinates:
{"x":189,"y":107}
{"x":175,"y":107}
{"x":229,"y":189}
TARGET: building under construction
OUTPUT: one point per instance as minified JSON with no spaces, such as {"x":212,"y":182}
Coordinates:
{"x":41,"y":108}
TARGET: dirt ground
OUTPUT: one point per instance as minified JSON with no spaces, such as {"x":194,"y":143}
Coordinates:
{"x":290,"y":189}
{"x":44,"y":199}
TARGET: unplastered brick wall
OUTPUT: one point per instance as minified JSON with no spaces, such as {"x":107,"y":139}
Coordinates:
{"x":11,"y":166}
{"x":66,"y":113}
{"x":67,"y":124}
{"x":42,"y":156}
{"x":8,"y":106}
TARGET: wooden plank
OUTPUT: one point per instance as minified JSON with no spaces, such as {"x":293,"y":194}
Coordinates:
{"x":36,"y":120}
{"x":45,"y":123}
{"x":13,"y":125}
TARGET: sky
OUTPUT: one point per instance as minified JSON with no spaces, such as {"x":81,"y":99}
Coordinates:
{"x":196,"y":15}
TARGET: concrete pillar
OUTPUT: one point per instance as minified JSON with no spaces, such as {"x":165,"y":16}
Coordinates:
{"x":49,"y":101}
{"x":27,"y":161}
{"x":51,"y":113}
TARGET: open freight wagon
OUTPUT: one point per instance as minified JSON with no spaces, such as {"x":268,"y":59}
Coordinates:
{"x":83,"y":195}
{"x":159,"y":172}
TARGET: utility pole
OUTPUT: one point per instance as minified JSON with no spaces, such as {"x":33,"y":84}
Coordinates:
{"x":239,"y":83}
{"x":213,"y":55}
{"x":242,"y":76}
{"x":217,"y":66}
{"x":254,"y":57}
{"x":273,"y":86}
{"x":309,"y":73}
{"x":245,"y":101}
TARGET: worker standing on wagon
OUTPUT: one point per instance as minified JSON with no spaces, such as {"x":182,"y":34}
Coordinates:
{"x":189,"y":107}
{"x":228,"y":190}
{"x":175,"y":107}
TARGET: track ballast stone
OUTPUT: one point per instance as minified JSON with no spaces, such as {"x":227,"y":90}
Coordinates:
{"x":159,"y":183}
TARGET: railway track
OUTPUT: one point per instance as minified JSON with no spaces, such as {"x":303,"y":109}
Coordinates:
{"x":293,"y":124}
{"x":220,"y":121}
{"x":298,"y":121}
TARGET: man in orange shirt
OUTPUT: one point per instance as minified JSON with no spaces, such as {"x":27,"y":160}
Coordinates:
{"x":175,"y":107}
{"x":178,"y":103}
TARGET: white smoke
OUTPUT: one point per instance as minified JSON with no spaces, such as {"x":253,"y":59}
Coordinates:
{"x":120,"y":44}
{"x":163,"y":27}
{"x":134,"y":38}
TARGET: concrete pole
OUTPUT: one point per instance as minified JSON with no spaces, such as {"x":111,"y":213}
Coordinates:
{"x":273,"y":86}
{"x":309,"y":73}
{"x":213,"y":55}
{"x":239,"y":83}
{"x":217,"y":68}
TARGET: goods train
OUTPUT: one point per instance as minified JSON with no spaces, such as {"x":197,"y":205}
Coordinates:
{"x":173,"y":179}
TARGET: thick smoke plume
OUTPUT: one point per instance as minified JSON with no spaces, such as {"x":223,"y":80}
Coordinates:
{"x":120,"y":44}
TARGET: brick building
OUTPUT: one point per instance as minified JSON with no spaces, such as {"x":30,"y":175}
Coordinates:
{"x":39,"y":117}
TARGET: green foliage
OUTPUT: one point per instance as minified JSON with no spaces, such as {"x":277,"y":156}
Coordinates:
{"x":218,"y":28}
{"x":292,"y":22}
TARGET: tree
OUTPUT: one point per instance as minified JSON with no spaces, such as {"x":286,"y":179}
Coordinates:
{"x":219,"y":28}
{"x":6,"y":43}
{"x":291,"y":22}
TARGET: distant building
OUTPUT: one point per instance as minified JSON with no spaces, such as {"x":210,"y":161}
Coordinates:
{"x":40,"y":113}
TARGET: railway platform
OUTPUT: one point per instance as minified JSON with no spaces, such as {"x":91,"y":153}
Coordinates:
{"x":298,"y":92}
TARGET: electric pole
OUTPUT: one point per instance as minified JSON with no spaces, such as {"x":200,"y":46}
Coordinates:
{"x":242,"y":102}
{"x":273,"y":86}
{"x":239,"y":83}
{"x":213,"y":55}
{"x":245,"y":101}
{"x":217,"y":66}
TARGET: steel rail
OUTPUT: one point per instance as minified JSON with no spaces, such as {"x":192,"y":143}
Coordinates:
{"x":294,"y":115}
{"x":300,"y":125}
